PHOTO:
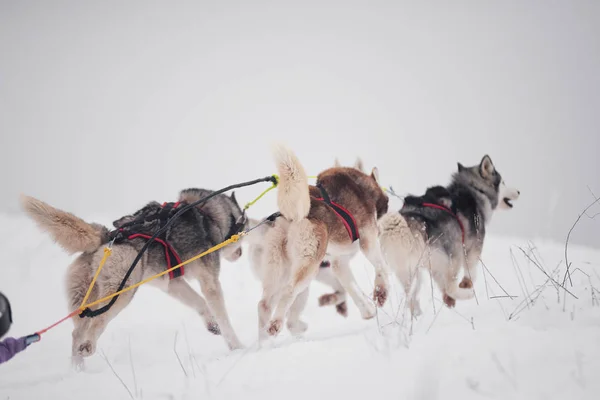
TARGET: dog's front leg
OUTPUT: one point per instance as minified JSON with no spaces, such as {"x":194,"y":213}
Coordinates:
{"x":182,"y":291}
{"x":370,"y":248}
{"x":208,"y":276}
{"x":341,"y":268}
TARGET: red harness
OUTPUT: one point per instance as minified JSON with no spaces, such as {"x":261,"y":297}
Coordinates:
{"x":342,"y":212}
{"x":437,"y":206}
{"x":128,"y":232}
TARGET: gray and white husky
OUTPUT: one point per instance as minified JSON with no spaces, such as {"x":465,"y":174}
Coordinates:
{"x":197,"y":230}
{"x":443,"y":231}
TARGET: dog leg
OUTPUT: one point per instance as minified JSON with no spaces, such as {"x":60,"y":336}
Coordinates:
{"x":370,"y":248}
{"x":451,"y":290}
{"x":181,"y":290}
{"x":87,"y":331}
{"x":300,"y":282}
{"x":294,"y":324}
{"x":341,"y":269}
{"x":410,"y":278}
{"x":472,"y":260}
{"x":265,"y":310}
{"x":414,"y":303}
{"x":208,"y":275}
{"x":326,"y":276}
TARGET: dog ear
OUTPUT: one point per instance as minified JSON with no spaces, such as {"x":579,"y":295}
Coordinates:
{"x":461,"y":167}
{"x":359,"y":164}
{"x":233,"y":198}
{"x":336,"y":163}
{"x":375,"y":175}
{"x":486,"y":167}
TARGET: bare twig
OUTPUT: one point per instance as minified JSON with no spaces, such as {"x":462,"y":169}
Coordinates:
{"x":236,"y":363}
{"x":487,"y":292}
{"x":434,"y":319}
{"x":135,"y":386}
{"x":494,"y":278}
{"x":177,"y":355}
{"x":115,"y":372}
{"x":545,"y":273}
{"x":190,"y":355}
{"x":503,"y":370}
{"x":567,"y":272}
{"x":519,"y":275}
{"x":595,"y":197}
{"x":537,"y":292}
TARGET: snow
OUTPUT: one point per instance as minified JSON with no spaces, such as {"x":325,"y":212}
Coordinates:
{"x":485,"y":348}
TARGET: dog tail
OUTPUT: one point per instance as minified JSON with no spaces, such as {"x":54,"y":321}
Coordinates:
{"x":293,"y":197}
{"x":72,"y":233}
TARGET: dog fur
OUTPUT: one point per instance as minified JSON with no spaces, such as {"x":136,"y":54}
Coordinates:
{"x":308,"y":231}
{"x":431,"y":239}
{"x":195,"y":231}
{"x":259,"y":258}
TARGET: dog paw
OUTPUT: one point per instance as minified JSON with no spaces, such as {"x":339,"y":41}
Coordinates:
{"x":380,"y":294}
{"x":327,"y":299}
{"x":466,"y":283}
{"x":342,"y":309}
{"x":86,"y":349}
{"x":368,"y":311}
{"x":213,"y":328}
{"x":298,"y":327}
{"x":415,"y":310}
{"x":235,"y":345}
{"x":449,"y":301}
{"x":274,"y":327}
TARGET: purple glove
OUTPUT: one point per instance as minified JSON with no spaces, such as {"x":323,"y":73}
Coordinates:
{"x":11,"y":346}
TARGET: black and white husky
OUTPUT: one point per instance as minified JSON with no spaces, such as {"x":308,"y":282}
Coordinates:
{"x":443,"y":231}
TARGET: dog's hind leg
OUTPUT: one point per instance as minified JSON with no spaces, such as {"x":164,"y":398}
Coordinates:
{"x":88,"y":330}
{"x":341,"y":268}
{"x":472,"y":259}
{"x":265,"y":310}
{"x":370,"y":248}
{"x":299,"y":284}
{"x":447,"y":279}
{"x":327,"y":277}
{"x":78,"y":279}
{"x":408,"y":274}
{"x":306,"y":247}
{"x":294,"y":324}
{"x":208,"y":275}
{"x":181,"y":290}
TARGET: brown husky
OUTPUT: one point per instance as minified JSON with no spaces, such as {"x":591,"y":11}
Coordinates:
{"x":314,"y":229}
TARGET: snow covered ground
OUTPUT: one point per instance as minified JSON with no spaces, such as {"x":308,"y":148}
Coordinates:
{"x":493,"y":347}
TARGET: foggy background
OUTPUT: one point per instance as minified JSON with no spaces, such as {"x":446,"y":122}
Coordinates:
{"x":107,"y":105}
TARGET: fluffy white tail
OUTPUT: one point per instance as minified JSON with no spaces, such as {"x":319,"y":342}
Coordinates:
{"x":72,"y":233}
{"x":292,"y":194}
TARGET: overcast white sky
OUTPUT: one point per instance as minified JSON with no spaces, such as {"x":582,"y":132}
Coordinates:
{"x":106,"y":105}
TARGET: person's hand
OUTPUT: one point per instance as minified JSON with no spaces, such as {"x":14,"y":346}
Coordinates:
{"x":32,"y":339}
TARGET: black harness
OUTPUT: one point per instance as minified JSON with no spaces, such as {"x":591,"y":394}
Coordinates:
{"x":139,"y":227}
{"x":5,"y":315}
{"x":343,"y":213}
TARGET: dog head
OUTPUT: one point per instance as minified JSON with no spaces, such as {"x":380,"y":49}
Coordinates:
{"x":485,"y":180}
